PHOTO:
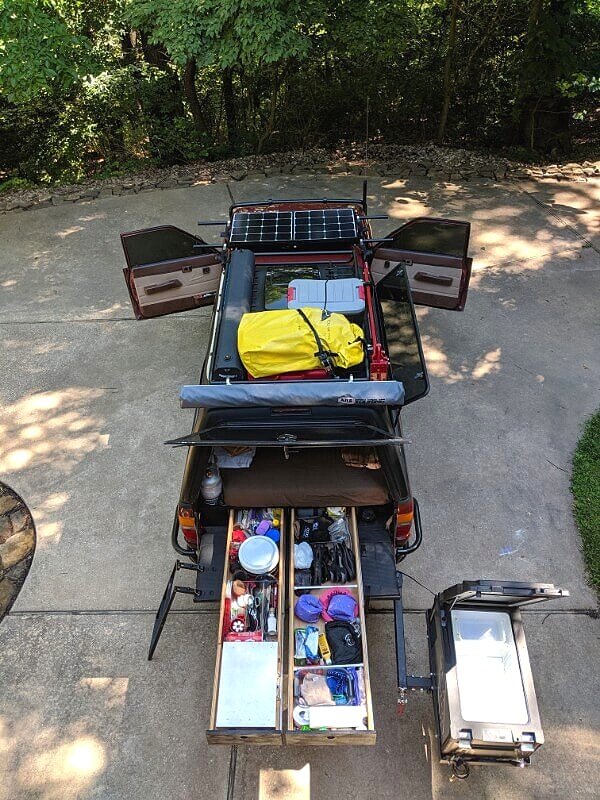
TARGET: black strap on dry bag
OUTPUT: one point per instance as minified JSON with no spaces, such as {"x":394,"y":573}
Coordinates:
{"x":325,"y":356}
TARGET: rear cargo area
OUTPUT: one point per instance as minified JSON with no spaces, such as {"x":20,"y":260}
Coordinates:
{"x":316,"y":477}
{"x":293,"y":457}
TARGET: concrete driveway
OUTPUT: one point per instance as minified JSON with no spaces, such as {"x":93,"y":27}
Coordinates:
{"x":89,"y":395}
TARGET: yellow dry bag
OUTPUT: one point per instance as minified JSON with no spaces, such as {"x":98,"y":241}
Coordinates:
{"x":272,"y":342}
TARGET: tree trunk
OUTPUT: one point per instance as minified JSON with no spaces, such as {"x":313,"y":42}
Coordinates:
{"x":230,"y":109}
{"x":544,"y":114}
{"x":127,"y":48}
{"x":191,"y":95}
{"x":529,"y":100}
{"x":270,"y":126}
{"x":154,"y":54}
{"x":448,"y":77}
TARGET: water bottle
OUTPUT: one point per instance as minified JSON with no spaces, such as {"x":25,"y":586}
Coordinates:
{"x":211,"y":486}
{"x":271,"y":624}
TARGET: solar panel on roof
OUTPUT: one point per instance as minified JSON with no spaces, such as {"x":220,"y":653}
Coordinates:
{"x":264,"y":226}
{"x":315,"y":225}
{"x":328,"y":223}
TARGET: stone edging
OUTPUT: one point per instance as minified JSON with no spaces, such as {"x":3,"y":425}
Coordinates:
{"x":17,"y":545}
{"x":404,"y":161}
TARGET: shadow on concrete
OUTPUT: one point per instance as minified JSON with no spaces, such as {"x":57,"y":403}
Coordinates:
{"x":50,"y":431}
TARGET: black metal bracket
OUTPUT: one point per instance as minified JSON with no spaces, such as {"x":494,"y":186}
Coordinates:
{"x":166,"y":603}
{"x":406,"y":682}
{"x":208,"y":564}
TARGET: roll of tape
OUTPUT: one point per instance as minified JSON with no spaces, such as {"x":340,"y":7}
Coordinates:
{"x":301,"y":715}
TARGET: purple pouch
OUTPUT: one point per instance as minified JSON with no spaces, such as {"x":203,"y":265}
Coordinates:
{"x":342,"y":607}
{"x":308,"y":608}
{"x":262,"y":527}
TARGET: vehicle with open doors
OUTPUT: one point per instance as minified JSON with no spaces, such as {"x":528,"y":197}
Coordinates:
{"x":295,"y":507}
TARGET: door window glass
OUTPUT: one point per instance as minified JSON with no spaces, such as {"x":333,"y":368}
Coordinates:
{"x":161,"y":244}
{"x":433,"y":236}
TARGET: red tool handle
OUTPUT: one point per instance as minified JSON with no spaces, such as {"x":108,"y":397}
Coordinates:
{"x":379,"y":363}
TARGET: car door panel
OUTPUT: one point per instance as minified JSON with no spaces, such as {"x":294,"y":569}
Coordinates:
{"x":168,"y":271}
{"x":439,"y":279}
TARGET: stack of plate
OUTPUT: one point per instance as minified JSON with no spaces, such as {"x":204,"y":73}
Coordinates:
{"x":258,"y":555}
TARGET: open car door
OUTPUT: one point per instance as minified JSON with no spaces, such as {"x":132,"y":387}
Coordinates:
{"x":433,"y":254}
{"x":169,"y":270}
{"x":401,"y":338}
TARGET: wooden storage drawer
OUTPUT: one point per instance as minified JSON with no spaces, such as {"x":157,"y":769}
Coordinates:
{"x":294,"y":734}
{"x":247,"y":699}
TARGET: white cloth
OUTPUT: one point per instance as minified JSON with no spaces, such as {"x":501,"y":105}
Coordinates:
{"x":303,"y":555}
{"x":226,"y":461}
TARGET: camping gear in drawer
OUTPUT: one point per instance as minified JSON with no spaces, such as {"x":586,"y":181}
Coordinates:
{"x":343,"y":296}
{"x":323,"y":552}
{"x":329,"y":696}
{"x":327,"y":626}
{"x":247,"y":696}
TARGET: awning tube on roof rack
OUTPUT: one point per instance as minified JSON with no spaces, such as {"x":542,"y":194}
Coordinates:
{"x":292,"y":393}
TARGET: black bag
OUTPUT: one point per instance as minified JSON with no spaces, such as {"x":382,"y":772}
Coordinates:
{"x":344,"y":641}
{"x":313,"y":530}
{"x":303,"y":577}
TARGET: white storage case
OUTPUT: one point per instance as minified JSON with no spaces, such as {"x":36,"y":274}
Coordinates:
{"x":339,"y":295}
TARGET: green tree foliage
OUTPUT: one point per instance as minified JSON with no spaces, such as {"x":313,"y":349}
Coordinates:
{"x":98,"y":86}
{"x":41,"y":49}
{"x":222,"y":33}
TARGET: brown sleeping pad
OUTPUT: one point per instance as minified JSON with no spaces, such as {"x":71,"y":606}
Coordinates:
{"x":311,"y":477}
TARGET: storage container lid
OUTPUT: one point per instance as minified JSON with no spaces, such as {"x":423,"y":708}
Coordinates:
{"x":509,"y":594}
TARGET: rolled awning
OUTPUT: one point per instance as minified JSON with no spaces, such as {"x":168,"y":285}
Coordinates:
{"x":293,"y":393}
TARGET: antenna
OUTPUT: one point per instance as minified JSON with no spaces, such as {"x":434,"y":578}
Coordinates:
{"x":367,"y":131}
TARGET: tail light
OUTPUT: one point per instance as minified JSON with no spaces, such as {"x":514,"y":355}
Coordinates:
{"x":405,"y":513}
{"x":187,"y":524}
